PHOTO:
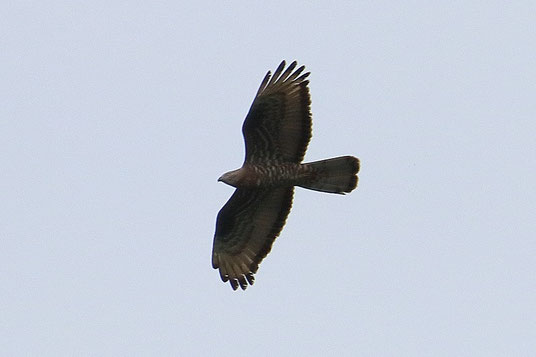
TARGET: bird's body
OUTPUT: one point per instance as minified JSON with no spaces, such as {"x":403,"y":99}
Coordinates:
{"x":286,"y":175}
{"x":275,"y":175}
{"x":276,"y":131}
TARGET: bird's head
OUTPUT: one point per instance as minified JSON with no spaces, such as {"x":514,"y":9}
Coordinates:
{"x":231,"y":178}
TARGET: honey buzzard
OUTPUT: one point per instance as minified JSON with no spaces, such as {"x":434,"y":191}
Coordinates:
{"x":276,"y":131}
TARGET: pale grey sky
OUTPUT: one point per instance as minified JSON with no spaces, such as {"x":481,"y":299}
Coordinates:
{"x":117,"y":118}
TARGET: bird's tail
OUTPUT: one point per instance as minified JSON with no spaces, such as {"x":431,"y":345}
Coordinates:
{"x":337,"y":175}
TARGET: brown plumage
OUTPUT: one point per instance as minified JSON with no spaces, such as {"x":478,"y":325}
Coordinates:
{"x":276,"y":131}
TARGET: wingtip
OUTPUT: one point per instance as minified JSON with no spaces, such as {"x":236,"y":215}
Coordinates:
{"x":281,"y":66}
{"x":251,"y":278}
{"x":239,"y":282}
{"x":234,"y":283}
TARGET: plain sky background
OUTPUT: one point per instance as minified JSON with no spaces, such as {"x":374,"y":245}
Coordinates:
{"x":117,"y":118}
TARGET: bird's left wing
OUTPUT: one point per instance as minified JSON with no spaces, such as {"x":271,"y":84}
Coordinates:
{"x":278,"y":124}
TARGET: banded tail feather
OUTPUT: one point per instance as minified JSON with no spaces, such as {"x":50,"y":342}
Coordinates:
{"x":337,"y":175}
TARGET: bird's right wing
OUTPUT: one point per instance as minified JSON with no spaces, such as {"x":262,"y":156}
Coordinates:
{"x":246,"y":228}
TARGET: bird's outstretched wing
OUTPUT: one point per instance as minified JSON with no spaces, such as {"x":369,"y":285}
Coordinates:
{"x":246,"y":227}
{"x":278,"y":125}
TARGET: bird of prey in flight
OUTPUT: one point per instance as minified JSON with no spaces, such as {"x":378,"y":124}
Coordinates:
{"x":277,"y":130}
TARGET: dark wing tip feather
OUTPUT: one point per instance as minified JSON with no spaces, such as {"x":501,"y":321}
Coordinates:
{"x":277,"y":73}
{"x":264,"y":82}
{"x":234,"y":283}
{"x":251,"y":278}
{"x":242,"y":280}
{"x":302,"y":77}
{"x":295,"y":74}
{"x":287,"y":72}
{"x":279,"y":77}
{"x":279,"y":68}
